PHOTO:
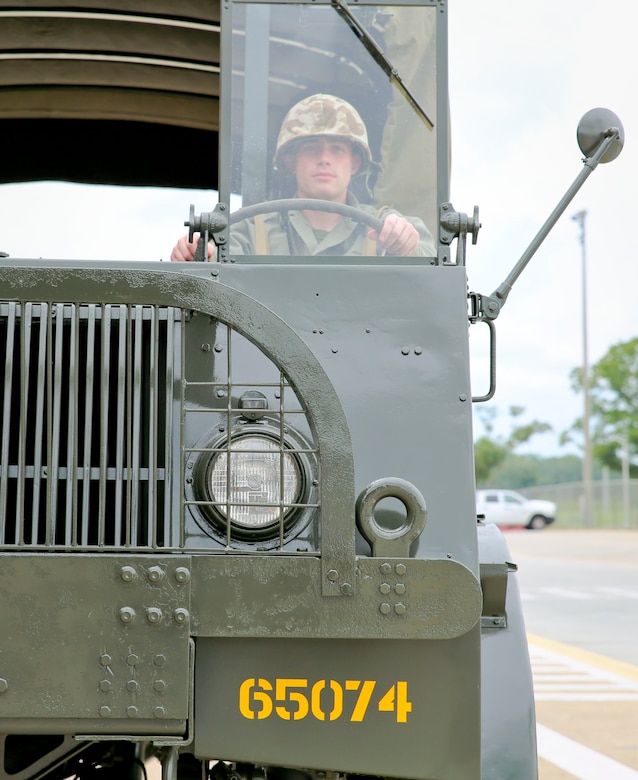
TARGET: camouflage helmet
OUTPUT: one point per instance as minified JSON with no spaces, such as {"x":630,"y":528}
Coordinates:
{"x":322,"y":115}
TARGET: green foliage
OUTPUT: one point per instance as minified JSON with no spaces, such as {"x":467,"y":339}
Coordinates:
{"x":520,"y":471}
{"x":488,"y":454}
{"x":613,"y":389}
{"x":490,"y":451}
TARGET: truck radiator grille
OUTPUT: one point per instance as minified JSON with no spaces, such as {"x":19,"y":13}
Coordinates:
{"x":89,"y":415}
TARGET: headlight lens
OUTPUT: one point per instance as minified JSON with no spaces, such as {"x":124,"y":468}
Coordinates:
{"x":260,"y":485}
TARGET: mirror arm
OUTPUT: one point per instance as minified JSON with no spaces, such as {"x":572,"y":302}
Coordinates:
{"x":491,"y":305}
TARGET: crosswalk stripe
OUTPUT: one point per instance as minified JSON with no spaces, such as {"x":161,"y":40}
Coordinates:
{"x":579,"y":760}
{"x":559,"y":678}
{"x":579,"y":594}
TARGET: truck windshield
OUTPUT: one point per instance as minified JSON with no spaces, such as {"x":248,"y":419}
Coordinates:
{"x":334,"y":103}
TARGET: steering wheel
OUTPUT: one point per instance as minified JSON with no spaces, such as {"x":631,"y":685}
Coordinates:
{"x":309,"y":204}
{"x":214,"y":222}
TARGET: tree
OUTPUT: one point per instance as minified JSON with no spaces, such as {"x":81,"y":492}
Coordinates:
{"x":613,"y":389}
{"x":491,"y":450}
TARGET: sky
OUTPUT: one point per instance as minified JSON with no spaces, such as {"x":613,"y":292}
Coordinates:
{"x":521,"y":76}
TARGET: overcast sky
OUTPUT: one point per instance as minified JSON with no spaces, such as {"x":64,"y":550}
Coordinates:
{"x":521,"y":76}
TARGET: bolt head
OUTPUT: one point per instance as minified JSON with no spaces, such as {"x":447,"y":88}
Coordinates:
{"x":127,"y":615}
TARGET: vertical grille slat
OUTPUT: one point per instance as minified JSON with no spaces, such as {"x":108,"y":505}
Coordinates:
{"x":55,"y":427}
{"x":120,"y":422}
{"x":171,"y":535}
{"x":87,"y":439}
{"x":6,"y":414}
{"x":152,"y":439}
{"x":105,"y":368}
{"x":71,"y":442}
{"x":90,"y":352}
{"x":39,"y":442}
{"x":25,"y":349}
{"x":134,"y":414}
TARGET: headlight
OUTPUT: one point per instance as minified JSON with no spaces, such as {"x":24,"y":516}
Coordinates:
{"x":256,"y":486}
{"x":256,"y":483}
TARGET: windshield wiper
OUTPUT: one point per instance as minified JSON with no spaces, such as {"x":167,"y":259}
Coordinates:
{"x":342,"y":8}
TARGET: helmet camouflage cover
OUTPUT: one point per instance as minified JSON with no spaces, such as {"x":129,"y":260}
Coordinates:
{"x":322,"y":115}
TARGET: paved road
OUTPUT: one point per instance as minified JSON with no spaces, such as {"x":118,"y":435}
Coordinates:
{"x":580,"y":599}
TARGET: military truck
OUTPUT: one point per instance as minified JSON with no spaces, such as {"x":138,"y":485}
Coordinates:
{"x":238,"y":529}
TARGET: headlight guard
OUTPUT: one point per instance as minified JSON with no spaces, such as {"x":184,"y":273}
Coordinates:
{"x":257,"y":484}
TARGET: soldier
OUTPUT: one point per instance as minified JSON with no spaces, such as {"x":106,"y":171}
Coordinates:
{"x":322,"y":144}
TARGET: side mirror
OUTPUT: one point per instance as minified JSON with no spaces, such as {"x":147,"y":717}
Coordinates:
{"x":594,"y":127}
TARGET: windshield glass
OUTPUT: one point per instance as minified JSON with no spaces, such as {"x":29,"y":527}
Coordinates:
{"x":333,"y":103}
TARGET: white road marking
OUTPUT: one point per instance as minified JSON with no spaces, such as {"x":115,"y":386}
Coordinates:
{"x":579,"y":760}
{"x":560,"y":678}
{"x":580,"y":594}
{"x":622,"y":592}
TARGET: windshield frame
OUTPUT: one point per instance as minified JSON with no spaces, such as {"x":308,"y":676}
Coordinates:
{"x":440,"y":110}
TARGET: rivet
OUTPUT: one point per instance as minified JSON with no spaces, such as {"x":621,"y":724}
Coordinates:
{"x":105,"y":659}
{"x":399,"y":608}
{"x":385,"y":609}
{"x":131,"y":711}
{"x":105,"y":711}
{"x":4,"y":684}
{"x":159,"y":686}
{"x":385,"y":568}
{"x":105,"y":685}
{"x":153,"y":615}
{"x":181,"y":616}
{"x":333,"y":575}
{"x":334,"y":350}
{"x":132,"y":659}
{"x":205,"y":347}
{"x":182,"y":574}
{"x":127,"y":614}
{"x":159,"y":712}
{"x":384,"y":588}
{"x":155,"y":574}
{"x":418,"y":351}
{"x":159,"y":660}
{"x":399,"y":589}
{"x":347,"y":589}
{"x":405,"y":351}
{"x":132,"y":686}
{"x":463,"y":397}
{"x":400,"y":569}
{"x":219,"y":348}
{"x":128,"y":574}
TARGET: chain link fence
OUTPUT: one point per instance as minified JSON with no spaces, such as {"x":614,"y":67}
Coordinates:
{"x":614,"y":503}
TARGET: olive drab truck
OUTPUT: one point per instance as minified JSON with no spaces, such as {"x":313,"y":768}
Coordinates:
{"x":238,"y":530}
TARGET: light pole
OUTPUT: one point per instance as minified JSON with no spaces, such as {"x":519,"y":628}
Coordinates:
{"x":579,"y":217}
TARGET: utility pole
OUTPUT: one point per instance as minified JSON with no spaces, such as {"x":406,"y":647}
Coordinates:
{"x":579,"y":217}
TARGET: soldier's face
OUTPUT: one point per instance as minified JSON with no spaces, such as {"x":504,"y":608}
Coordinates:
{"x":323,"y":167}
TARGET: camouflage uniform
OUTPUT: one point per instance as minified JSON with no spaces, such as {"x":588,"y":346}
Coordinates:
{"x":289,"y":233}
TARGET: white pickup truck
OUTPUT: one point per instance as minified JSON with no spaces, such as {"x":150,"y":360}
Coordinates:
{"x":508,"y":508}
